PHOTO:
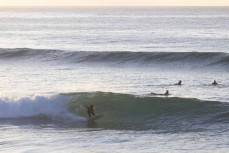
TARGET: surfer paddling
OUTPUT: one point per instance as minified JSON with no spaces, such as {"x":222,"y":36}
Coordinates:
{"x":165,"y":94}
{"x":179,"y":83}
{"x":90,"y":110}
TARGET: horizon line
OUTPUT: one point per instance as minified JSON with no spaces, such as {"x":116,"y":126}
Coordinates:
{"x":117,"y":6}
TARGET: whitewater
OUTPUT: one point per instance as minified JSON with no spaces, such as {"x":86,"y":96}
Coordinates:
{"x":55,"y":61}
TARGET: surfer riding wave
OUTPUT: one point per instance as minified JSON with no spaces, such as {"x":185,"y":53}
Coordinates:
{"x":90,"y":110}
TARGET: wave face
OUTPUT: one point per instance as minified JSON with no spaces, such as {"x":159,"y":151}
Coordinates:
{"x":120,"y":111}
{"x":123,"y":110}
{"x":179,"y":59}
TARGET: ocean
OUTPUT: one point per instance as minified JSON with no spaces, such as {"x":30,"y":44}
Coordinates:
{"x":121,"y":60}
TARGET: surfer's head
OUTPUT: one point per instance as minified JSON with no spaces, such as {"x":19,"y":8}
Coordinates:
{"x":167,"y":92}
{"x":214,"y":82}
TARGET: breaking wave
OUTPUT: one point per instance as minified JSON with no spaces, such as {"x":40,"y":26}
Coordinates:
{"x":120,"y":111}
{"x":49,"y":107}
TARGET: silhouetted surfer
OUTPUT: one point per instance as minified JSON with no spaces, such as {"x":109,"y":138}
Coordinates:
{"x":167,"y":92}
{"x":179,"y":83}
{"x":90,"y":110}
{"x":214,"y":83}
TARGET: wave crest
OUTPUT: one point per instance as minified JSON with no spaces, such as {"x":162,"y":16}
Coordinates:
{"x":191,"y":59}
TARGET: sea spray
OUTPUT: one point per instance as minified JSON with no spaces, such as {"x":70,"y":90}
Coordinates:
{"x":52,"y":107}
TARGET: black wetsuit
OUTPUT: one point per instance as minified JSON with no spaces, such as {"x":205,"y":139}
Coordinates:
{"x":90,"y":111}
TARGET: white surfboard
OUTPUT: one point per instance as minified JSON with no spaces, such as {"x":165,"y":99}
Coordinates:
{"x":96,"y":117}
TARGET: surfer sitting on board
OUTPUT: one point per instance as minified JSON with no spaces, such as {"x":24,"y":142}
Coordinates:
{"x":167,"y":92}
{"x":214,"y":83}
{"x":90,"y":110}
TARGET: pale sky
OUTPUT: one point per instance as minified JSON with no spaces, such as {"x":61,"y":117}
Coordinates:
{"x":114,"y":2}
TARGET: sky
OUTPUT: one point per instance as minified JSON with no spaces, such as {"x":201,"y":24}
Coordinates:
{"x":114,"y":2}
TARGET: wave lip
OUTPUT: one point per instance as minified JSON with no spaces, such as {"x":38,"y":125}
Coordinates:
{"x":191,"y":59}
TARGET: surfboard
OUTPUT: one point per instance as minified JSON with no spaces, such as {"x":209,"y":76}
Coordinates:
{"x":157,"y":94}
{"x":96,"y":117}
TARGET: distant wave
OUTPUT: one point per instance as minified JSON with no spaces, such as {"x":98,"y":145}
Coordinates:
{"x":179,"y":59}
{"x":120,"y":110}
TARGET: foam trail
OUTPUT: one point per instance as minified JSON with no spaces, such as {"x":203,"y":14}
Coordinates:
{"x":53,"y":107}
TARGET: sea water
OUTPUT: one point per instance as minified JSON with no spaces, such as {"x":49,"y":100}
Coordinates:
{"x":54,"y":61}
